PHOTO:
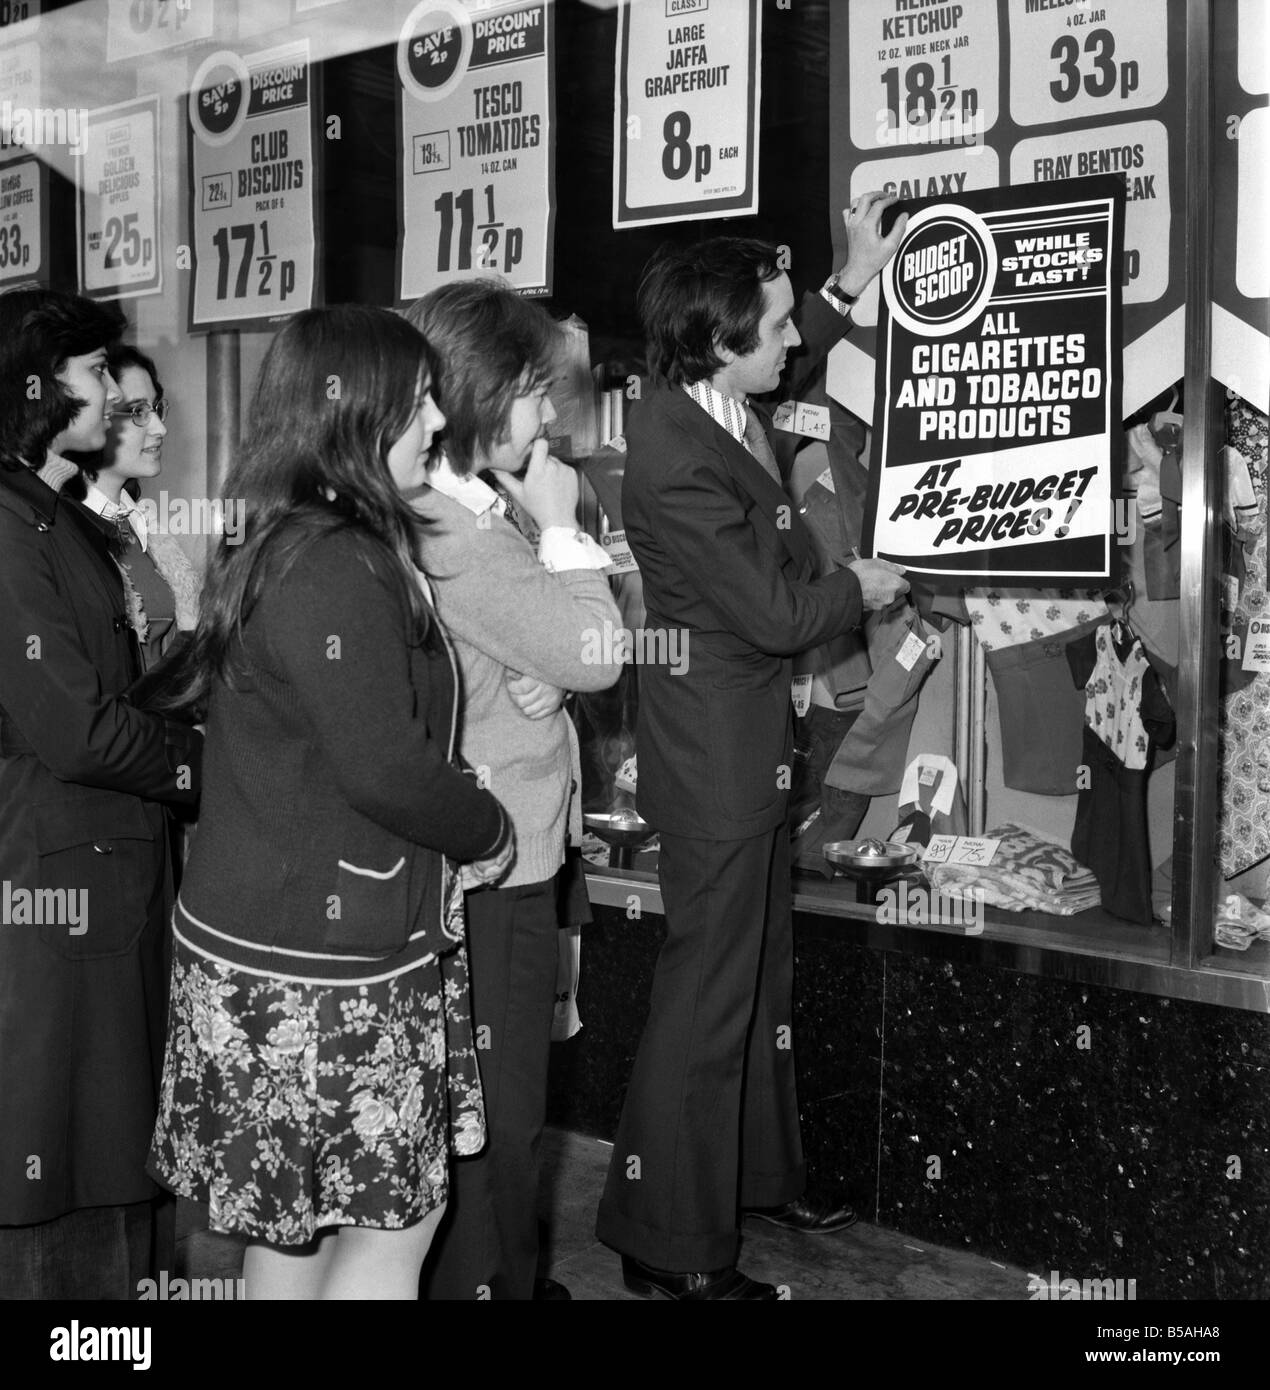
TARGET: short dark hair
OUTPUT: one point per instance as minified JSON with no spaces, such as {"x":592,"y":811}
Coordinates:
{"x":40,"y":330}
{"x":696,"y":299}
{"x":493,"y":345}
{"x":119,"y":357}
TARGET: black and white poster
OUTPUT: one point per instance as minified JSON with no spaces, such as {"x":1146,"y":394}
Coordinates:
{"x":685,"y":111}
{"x":997,"y":434}
{"x":477,"y":181}
{"x":119,"y":201}
{"x":252,"y":197}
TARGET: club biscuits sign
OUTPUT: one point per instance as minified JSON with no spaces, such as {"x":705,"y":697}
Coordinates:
{"x":946,"y":267}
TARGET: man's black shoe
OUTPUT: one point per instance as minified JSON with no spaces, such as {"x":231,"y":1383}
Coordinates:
{"x":807,"y":1214}
{"x":550,"y":1291}
{"x":721,"y":1284}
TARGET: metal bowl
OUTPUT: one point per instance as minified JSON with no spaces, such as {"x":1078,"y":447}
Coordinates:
{"x":871,"y":859}
{"x":622,"y":828}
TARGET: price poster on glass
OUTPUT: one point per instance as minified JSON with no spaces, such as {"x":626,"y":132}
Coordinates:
{"x":253,"y":195}
{"x":997,"y":439}
{"x":118,"y":203}
{"x":23,"y":222}
{"x":960,"y":95}
{"x":685,"y":110}
{"x":136,"y":27}
{"x":19,"y":78}
{"x":477,"y":194}
{"x":1241,"y":197}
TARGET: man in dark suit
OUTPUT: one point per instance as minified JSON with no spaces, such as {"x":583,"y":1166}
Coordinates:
{"x":710,"y":1120}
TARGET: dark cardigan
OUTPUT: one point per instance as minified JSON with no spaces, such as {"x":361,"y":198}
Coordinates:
{"x":329,"y":795}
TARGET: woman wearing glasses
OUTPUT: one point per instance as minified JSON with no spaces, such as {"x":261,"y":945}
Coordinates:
{"x":160,"y":584}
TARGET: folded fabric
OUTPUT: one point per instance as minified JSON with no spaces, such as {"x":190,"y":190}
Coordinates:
{"x":1240,"y":923}
{"x":1027,"y":873}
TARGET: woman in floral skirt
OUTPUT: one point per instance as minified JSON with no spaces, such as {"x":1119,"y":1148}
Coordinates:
{"x":319,"y":1066}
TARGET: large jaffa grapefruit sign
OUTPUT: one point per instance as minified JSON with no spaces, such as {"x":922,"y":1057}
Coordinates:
{"x":996,"y":440}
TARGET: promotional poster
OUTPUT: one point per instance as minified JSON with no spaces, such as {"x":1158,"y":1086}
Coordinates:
{"x":685,"y":110}
{"x":476,"y":164}
{"x":252,"y":175}
{"x":997,"y":433}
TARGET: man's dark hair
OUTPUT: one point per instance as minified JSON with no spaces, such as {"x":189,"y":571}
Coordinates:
{"x":492,"y":345}
{"x":696,"y":299}
{"x":40,"y":330}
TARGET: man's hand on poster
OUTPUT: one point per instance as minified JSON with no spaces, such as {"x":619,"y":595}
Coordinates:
{"x":881,"y":583}
{"x":867,"y":249}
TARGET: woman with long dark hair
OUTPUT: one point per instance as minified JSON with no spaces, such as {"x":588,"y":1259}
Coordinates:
{"x":319,"y":1065}
{"x":84,"y":776}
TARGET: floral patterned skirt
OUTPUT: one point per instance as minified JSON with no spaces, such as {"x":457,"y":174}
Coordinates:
{"x":289,"y":1107}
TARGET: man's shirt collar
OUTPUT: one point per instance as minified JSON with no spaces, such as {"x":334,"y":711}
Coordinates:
{"x":728,"y":414}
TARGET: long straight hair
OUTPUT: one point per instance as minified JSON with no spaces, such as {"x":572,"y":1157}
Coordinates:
{"x":338,"y":388}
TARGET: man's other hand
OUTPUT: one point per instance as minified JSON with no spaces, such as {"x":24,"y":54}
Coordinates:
{"x":867,"y":249}
{"x":881,"y":582}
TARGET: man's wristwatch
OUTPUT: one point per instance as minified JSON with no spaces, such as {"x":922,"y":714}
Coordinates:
{"x":833,"y":286}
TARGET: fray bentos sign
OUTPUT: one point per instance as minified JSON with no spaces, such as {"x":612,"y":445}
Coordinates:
{"x":997,"y":434}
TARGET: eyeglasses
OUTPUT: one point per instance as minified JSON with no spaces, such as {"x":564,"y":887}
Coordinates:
{"x":140,"y":411}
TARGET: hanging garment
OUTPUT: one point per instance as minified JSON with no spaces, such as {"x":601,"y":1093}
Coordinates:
{"x":872,"y":756}
{"x":1006,"y":617}
{"x":1126,"y":713}
{"x":1244,"y":815}
{"x":1042,"y":715}
{"x":820,"y":814}
{"x":930,"y":801}
{"x":842,"y":662}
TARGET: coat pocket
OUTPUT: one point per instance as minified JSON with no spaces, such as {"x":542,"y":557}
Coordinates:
{"x":100,"y":869}
{"x":368,"y":909}
{"x":747,"y":743}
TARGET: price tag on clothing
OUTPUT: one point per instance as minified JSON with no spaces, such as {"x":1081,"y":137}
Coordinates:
{"x":800,"y":693}
{"x":961,"y":849}
{"x":1230,"y":592}
{"x":1257,"y":646}
{"x":797,"y":417}
{"x":973,"y":849}
{"x":939,"y":848}
{"x":620,"y":554}
{"x":912,"y":647}
{"x":826,"y":480}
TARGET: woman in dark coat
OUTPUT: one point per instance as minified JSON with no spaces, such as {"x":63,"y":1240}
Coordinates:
{"x":84,"y":871}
